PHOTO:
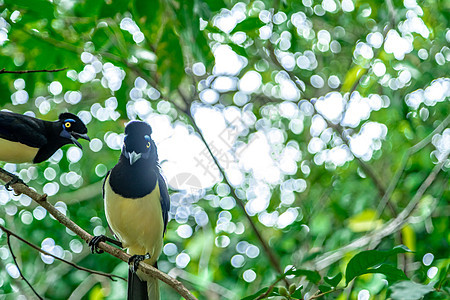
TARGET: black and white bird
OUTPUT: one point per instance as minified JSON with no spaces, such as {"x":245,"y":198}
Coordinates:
{"x":25,"y":139}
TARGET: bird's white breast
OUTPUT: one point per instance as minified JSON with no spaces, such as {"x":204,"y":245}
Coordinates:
{"x":137,"y":223}
{"x":15,"y":152}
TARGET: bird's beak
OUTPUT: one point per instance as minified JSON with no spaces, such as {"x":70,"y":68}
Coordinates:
{"x":133,"y":157}
{"x":74,"y":136}
{"x":81,"y":136}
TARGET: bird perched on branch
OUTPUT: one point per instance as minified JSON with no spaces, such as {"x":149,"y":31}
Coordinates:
{"x":137,"y":206}
{"x":26,"y":139}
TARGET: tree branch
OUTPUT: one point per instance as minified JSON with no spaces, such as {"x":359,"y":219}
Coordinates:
{"x":110,"y":276}
{"x":390,"y":227}
{"x":20,"y":188}
{"x":316,"y":296}
{"x":414,"y":149}
{"x":3,"y":71}
{"x":8,"y":241}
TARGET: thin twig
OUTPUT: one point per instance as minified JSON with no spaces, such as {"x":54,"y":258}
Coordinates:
{"x":8,"y":241}
{"x":269,"y":290}
{"x":110,"y":276}
{"x":3,"y":71}
{"x":389,"y":228}
{"x":391,"y":10}
{"x":20,"y":188}
{"x":414,"y":149}
{"x":324,"y":293}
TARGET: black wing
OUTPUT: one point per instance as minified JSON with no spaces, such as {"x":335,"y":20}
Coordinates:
{"x":23,"y":129}
{"x":165,"y":199}
{"x":104,"y":182}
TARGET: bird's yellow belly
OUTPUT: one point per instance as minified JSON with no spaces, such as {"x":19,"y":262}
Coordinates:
{"x":15,"y":152}
{"x":137,"y":223}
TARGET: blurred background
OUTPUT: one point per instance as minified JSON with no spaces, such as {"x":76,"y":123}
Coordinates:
{"x":291,"y":133}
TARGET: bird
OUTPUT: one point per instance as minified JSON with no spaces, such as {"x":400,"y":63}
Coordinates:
{"x":25,"y":139}
{"x":137,"y":205}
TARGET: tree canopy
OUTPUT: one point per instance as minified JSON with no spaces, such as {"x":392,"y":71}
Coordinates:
{"x":305,"y":143}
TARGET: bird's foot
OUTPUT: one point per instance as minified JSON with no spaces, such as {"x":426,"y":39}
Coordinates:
{"x":14,"y":179}
{"x":93,"y":243}
{"x":136,"y":259}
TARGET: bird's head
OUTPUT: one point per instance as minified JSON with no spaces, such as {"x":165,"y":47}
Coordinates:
{"x":72,"y":128}
{"x":138,"y":144}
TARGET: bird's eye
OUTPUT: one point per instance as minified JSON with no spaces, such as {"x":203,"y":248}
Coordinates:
{"x":67,"y":124}
{"x":148,"y":145}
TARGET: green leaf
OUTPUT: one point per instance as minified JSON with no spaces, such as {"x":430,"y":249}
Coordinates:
{"x":442,"y":277}
{"x":362,"y":261}
{"x":249,"y":26}
{"x":215,"y":5}
{"x":238,"y":49}
{"x":312,"y":276}
{"x":352,"y":76}
{"x":148,"y":15}
{"x":297,"y":293}
{"x":113,"y":7}
{"x":409,"y":290}
{"x":89,"y":8}
{"x":255,"y":295}
{"x":392,"y":273}
{"x":324,"y":288}
{"x":333,"y":281}
{"x":170,"y":59}
{"x":38,"y":8}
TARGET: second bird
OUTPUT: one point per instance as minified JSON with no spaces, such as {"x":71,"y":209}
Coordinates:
{"x":137,"y":205}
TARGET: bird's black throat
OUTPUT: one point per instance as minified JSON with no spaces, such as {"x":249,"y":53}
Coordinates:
{"x":133,"y":181}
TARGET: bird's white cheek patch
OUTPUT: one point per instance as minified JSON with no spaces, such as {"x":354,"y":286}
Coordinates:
{"x":16,"y":152}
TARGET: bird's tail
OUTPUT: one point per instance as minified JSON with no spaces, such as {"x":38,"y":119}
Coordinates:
{"x":142,"y":290}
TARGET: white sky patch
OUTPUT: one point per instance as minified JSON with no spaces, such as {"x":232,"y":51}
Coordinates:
{"x":255,"y":157}
{"x":331,"y":106}
{"x":227,"y":62}
{"x":287,"y":89}
{"x":437,"y":91}
{"x":209,"y":96}
{"x":364,"y":50}
{"x":225,"y":21}
{"x":318,"y":125}
{"x":368,"y":139}
{"x":375,"y":39}
{"x":250,"y":82}
{"x":442,"y":144}
{"x":287,"y":218}
{"x":224,"y":84}
{"x":379,"y":68}
{"x":414,"y":24}
{"x":358,"y":109}
{"x":397,"y":45}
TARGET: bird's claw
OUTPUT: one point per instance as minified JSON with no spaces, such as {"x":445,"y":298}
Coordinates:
{"x":93,"y":243}
{"x":135,"y":260}
{"x":14,"y":179}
